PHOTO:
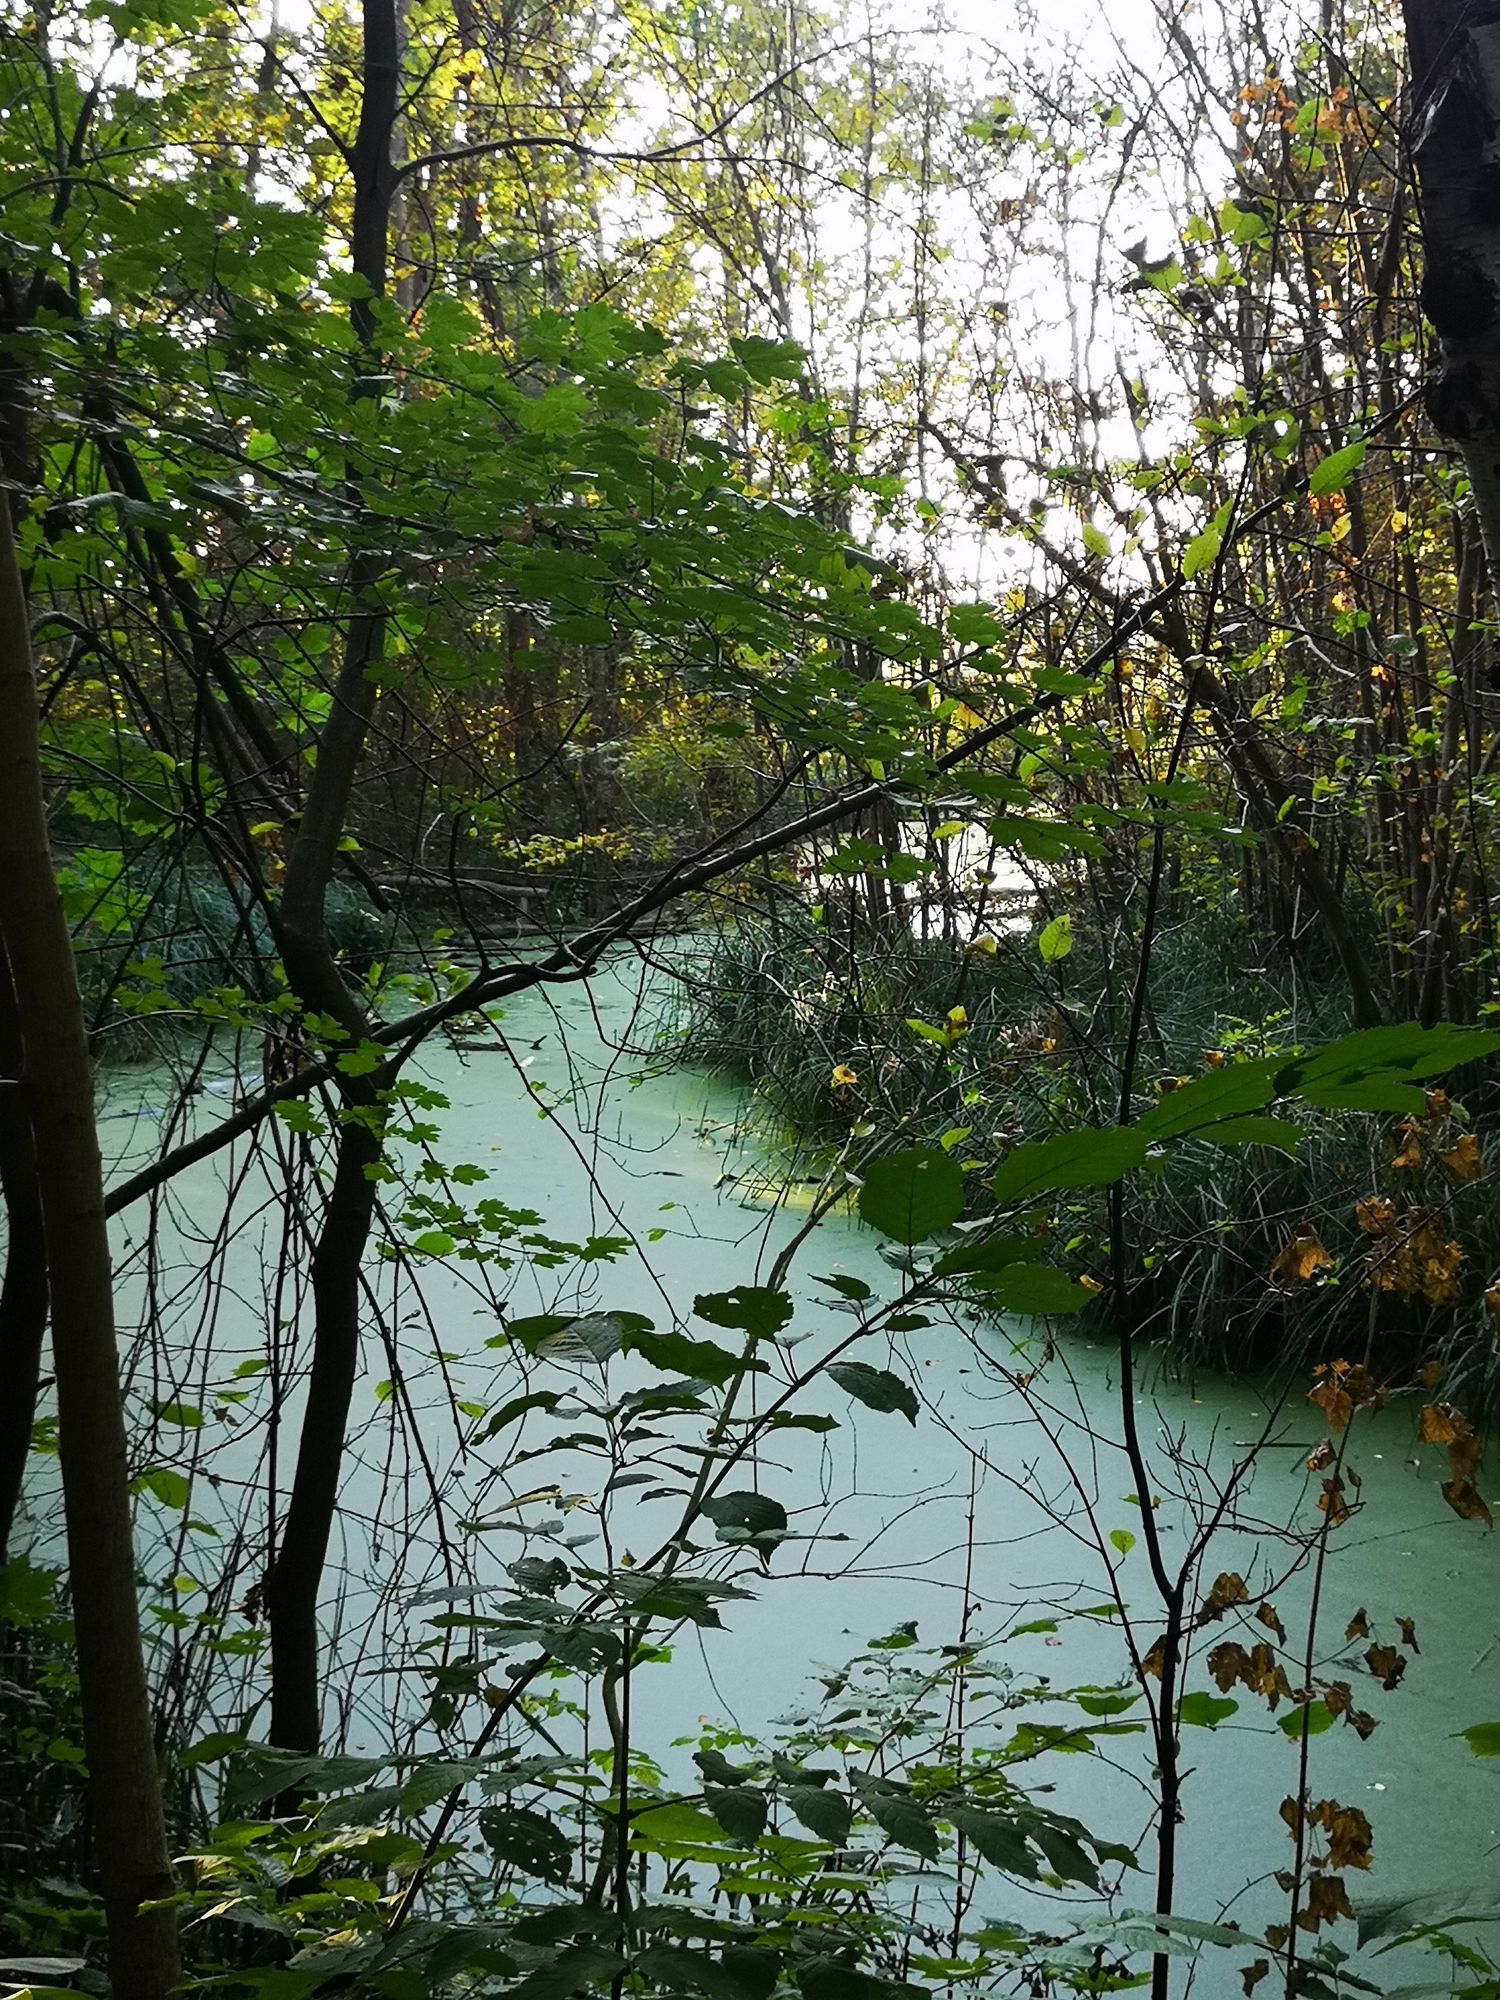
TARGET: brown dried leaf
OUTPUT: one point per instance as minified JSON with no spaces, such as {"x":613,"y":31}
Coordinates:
{"x":1386,"y":1664}
{"x":1408,"y":1631}
{"x":1439,"y":1274}
{"x":1228,"y":1664}
{"x":1348,"y":1831}
{"x":1410,"y":1153}
{"x":1464,"y":1497}
{"x":1254,"y":1973}
{"x":1364,"y":1391}
{"x":1462,"y":1159}
{"x":1265,"y":1675}
{"x":1300,"y":1261}
{"x":1359,"y":1625}
{"x":1155,"y":1659}
{"x":1276,"y":1936}
{"x":1327,"y":1900}
{"x":1332,"y":1502}
{"x":1439,"y":1104}
{"x":1376,"y":1214}
{"x":1334,"y":1400}
{"x":1431,"y":1372}
{"x":1267,"y":1615}
{"x":1228,"y":1588}
{"x":1322,"y":1458}
{"x":1440,"y":1423}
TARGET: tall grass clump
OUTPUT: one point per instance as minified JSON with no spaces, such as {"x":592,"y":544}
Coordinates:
{"x":841,"y":1038}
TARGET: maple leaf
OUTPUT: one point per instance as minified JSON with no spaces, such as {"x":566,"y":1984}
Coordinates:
{"x":1334,"y":1400}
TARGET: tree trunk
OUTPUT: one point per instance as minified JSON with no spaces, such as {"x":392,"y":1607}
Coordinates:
{"x":295,"y":1580}
{"x":124,"y":1784}
{"x":1454,"y":136}
{"x":23,"y":1296}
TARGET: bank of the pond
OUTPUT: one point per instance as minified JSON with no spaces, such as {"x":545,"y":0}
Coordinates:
{"x":577,"y":1122}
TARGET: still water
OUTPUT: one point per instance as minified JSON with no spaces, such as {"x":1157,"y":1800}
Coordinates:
{"x":986,"y":1514}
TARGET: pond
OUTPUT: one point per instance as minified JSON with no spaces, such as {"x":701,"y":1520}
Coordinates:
{"x":985,"y":1515}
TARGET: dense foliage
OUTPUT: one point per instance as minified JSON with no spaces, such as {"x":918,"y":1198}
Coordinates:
{"x":493,"y":495}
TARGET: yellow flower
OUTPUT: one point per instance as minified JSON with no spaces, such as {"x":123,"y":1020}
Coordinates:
{"x":843,"y":1077}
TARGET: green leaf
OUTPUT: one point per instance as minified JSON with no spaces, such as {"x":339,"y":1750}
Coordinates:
{"x":171,"y":1488}
{"x":527,"y":1840}
{"x":739,"y":1809}
{"x":877,"y":1388}
{"x":675,"y":1824}
{"x":1408,"y":1051}
{"x":1092,"y":1157}
{"x":837,"y":1979}
{"x":578,"y":1966}
{"x":747,"y":1517}
{"x":974,"y":625}
{"x":1209,"y":1099}
{"x":1310,"y":1719}
{"x":1204,"y":548}
{"x":847,"y":1287}
{"x":899,"y":1815}
{"x":1056,"y":940}
{"x":983,"y":1255}
{"x":1201,"y":1710}
{"x":1483,"y":1738}
{"x":1095,"y":541}
{"x":185,"y":1415}
{"x":1331,"y":475}
{"x":753,"y":1309}
{"x":1281,"y":1132}
{"x":1066,"y":1857}
{"x":516,"y":1407}
{"x":754,"y":1969}
{"x":1000,"y":1841}
{"x":824,"y":1812}
{"x":700,"y":1360}
{"x":1039,"y":1289}
{"x":1122,"y":1540}
{"x":913,"y":1194}
{"x":684,"y":1971}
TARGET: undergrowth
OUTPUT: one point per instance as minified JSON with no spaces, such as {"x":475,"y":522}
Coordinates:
{"x":845,"y":1039}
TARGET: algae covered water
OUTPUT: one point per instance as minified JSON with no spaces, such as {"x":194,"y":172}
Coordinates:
{"x":992,"y":1520}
